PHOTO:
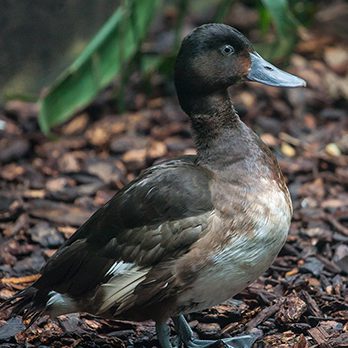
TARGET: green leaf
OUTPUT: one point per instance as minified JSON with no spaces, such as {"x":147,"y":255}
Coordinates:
{"x":283,"y":19}
{"x":103,"y":59}
{"x":285,"y":23}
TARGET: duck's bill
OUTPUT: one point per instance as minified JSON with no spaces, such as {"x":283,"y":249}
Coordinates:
{"x":266,"y":73}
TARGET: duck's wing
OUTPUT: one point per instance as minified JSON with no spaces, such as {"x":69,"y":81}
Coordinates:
{"x":151,"y":221}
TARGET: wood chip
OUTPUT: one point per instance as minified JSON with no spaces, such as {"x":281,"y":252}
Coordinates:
{"x":263,"y":315}
{"x":20,"y":280}
{"x":291,"y":309}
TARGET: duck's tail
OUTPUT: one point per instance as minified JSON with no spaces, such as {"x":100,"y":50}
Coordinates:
{"x":63,"y":285}
{"x":29,"y":303}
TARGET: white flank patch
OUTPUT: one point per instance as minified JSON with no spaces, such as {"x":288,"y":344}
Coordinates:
{"x":59,"y":304}
{"x":120,"y":288}
{"x":119,"y":267}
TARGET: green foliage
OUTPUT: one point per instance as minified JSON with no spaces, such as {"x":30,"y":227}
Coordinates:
{"x":285,"y":24}
{"x":104,"y":58}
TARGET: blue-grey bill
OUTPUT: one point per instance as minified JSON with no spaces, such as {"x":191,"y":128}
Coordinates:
{"x":266,"y":73}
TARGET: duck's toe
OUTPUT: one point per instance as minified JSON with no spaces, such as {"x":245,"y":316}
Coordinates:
{"x":245,"y":341}
{"x":186,"y":337}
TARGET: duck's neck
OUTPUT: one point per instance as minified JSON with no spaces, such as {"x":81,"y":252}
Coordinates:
{"x":226,"y":145}
{"x":215,"y":124}
{"x":209,"y":114}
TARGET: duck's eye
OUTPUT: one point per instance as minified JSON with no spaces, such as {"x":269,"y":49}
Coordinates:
{"x":227,"y":50}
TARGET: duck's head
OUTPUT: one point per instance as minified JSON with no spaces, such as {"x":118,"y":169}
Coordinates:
{"x":215,"y":56}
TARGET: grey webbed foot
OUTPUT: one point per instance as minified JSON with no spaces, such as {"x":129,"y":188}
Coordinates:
{"x":186,"y":337}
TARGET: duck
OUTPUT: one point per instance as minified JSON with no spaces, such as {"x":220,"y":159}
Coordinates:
{"x":190,"y":232}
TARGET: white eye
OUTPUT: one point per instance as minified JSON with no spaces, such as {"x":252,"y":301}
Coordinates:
{"x":227,"y":50}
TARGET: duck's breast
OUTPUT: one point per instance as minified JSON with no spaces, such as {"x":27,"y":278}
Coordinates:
{"x":239,"y":247}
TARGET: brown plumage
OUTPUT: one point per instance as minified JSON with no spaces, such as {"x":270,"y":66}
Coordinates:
{"x":190,"y":232}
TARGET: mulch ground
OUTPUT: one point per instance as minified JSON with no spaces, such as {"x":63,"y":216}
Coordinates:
{"x":48,"y":187}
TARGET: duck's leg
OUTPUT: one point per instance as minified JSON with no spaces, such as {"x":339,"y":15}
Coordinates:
{"x":163,"y":335}
{"x":186,"y":335}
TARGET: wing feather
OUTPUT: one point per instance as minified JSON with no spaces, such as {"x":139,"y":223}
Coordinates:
{"x":149,"y":222}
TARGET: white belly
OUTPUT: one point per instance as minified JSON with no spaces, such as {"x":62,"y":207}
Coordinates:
{"x":246,"y":256}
